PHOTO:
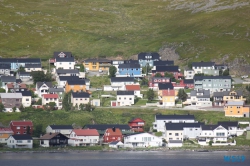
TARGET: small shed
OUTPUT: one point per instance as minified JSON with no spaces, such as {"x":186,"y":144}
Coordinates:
{"x":96,"y":102}
{"x":248,"y":133}
{"x":174,"y":143}
{"x":116,"y":144}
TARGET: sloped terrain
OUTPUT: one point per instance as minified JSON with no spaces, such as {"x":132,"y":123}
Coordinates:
{"x":197,"y":30}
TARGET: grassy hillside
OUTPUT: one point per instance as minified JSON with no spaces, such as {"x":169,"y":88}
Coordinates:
{"x":108,"y":116}
{"x":202,"y":29}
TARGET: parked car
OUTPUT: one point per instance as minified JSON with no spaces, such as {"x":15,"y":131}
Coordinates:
{"x":245,"y":76}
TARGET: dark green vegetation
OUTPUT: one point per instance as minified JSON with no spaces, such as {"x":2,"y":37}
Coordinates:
{"x":90,"y":28}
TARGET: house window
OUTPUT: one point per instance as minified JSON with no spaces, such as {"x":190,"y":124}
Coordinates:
{"x":27,"y":99}
{"x":176,"y":134}
{"x":18,"y":127}
{"x":130,"y":98}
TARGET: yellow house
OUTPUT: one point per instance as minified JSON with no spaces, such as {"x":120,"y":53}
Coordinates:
{"x":165,"y":86}
{"x":234,"y":96}
{"x":75,"y":86}
{"x":168,"y":97}
{"x":236,"y":109}
{"x":4,"y":134}
{"x":97,"y":64}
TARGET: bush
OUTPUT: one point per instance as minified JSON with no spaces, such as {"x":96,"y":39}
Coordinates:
{"x":158,"y":134}
{"x":211,"y":143}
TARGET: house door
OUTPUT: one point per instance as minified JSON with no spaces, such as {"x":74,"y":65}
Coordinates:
{"x":244,"y":115}
{"x":113,"y":104}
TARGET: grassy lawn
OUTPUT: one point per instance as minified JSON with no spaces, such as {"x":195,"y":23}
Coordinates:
{"x":109,"y":115}
{"x":188,"y":90}
{"x":98,"y":82}
{"x":118,"y":28}
{"x":141,"y":102}
{"x":241,"y":140}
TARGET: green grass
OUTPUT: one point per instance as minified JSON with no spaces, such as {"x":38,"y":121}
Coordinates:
{"x":241,"y":140}
{"x":111,"y":28}
{"x":98,"y":82}
{"x":109,"y":115}
{"x":141,"y":102}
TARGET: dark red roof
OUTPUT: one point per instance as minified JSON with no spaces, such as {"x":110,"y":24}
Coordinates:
{"x":168,"y":93}
{"x":6,"y":130}
{"x":113,"y":132}
{"x":133,"y":87}
{"x":86,"y":132}
{"x":50,"y":96}
{"x":22,"y":123}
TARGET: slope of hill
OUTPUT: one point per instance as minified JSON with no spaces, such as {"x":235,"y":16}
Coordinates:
{"x":205,"y":30}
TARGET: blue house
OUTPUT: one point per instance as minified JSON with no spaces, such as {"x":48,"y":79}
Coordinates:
{"x":129,"y":70}
{"x":15,"y":63}
{"x":148,"y":58}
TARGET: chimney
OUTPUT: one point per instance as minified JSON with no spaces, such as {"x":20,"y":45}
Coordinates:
{"x":113,"y":129}
{"x":168,"y":90}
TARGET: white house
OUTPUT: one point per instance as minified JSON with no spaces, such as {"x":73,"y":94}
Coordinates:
{"x":33,"y":67}
{"x":189,"y":74}
{"x":181,"y":131}
{"x":116,"y":63}
{"x":47,"y":98}
{"x":142,"y":140}
{"x":118,"y":83}
{"x":116,"y":144}
{"x":43,"y":88}
{"x":174,"y":143}
{"x":20,"y":141}
{"x":64,"y":62}
{"x":232,"y":127}
{"x":199,"y":98}
{"x":83,"y":137}
{"x":63,"y":129}
{"x":62,"y":80}
{"x":124,"y":98}
{"x":26,"y":98}
{"x":78,"y":98}
{"x":136,"y":89}
{"x":214,"y":133}
{"x":160,"y":120}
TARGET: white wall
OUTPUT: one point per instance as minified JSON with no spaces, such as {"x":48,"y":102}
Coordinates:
{"x":64,"y":65}
{"x":26,"y":101}
{"x":159,"y":125}
{"x":174,"y":135}
{"x":45,"y":143}
{"x":12,"y":143}
{"x":125,"y":100}
{"x":76,"y":140}
{"x":142,"y":140}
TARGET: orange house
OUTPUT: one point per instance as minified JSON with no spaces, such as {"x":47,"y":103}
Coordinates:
{"x":236,"y":109}
{"x":75,"y":86}
{"x":4,"y":134}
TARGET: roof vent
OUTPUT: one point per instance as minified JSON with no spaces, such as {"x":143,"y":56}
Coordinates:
{"x":113,"y":129}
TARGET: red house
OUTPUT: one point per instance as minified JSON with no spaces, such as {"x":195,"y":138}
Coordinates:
{"x":137,"y":124}
{"x":22,"y":127}
{"x":170,"y":69}
{"x":154,"y":81}
{"x":112,"y":134}
{"x":187,"y":83}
